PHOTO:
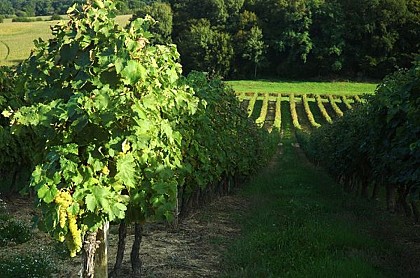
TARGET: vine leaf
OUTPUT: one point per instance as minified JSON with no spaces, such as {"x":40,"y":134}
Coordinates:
{"x":133,"y":72}
{"x":126,"y":170}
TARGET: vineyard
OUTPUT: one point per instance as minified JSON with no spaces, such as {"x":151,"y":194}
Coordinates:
{"x":114,"y":134}
{"x":307,"y":110}
{"x":117,"y":144}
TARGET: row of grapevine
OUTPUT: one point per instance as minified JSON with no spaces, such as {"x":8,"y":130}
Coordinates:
{"x":377,"y":145}
{"x":251,"y":104}
{"x":263,"y":114}
{"x":309,"y":112}
{"x":17,"y":150}
{"x":293,"y":112}
{"x":277,"y":117}
{"x":346,"y":102}
{"x":335,"y":107}
{"x":252,"y":98}
{"x":322,"y":109}
{"x":124,"y":136}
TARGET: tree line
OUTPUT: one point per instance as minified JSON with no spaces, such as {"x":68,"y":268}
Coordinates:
{"x":23,"y":8}
{"x":274,"y":38}
{"x":301,"y":38}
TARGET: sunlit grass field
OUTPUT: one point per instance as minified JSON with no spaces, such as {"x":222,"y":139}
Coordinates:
{"x":16,"y":38}
{"x":302,"y":87}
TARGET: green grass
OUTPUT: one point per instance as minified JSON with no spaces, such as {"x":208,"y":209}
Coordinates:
{"x":301,"y":224}
{"x":16,"y":38}
{"x":301,"y":87}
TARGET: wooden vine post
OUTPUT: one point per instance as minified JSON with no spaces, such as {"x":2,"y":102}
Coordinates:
{"x":95,"y":254}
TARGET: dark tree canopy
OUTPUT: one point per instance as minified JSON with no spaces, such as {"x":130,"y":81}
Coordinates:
{"x":299,"y":38}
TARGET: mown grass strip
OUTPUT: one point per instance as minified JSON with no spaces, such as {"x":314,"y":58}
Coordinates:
{"x":301,"y":87}
{"x":300,"y":224}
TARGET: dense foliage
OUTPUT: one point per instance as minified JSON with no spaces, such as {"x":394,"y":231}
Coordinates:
{"x":19,"y":147}
{"x":35,"y":7}
{"x":125,"y":136}
{"x":367,"y":38}
{"x":244,"y":38}
{"x":377,"y":143}
{"x":298,"y":38}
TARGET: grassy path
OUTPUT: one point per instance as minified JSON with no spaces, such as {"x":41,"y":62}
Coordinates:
{"x":300,"y":224}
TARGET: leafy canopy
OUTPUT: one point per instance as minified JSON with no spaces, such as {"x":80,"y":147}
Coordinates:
{"x":109,"y":107}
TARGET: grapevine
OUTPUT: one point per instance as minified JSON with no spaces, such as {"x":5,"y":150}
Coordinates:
{"x":260,"y":120}
{"x":346,"y":102}
{"x":335,"y":106}
{"x":293,"y":112}
{"x":309,"y":112}
{"x":322,"y":109}
{"x":252,"y":104}
{"x":377,"y":143}
{"x":277,"y":117}
{"x":242,"y":96}
{"x":357,"y":99}
{"x":110,"y":108}
{"x":126,"y":136}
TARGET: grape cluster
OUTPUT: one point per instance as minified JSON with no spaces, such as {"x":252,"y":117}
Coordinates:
{"x":74,"y":238}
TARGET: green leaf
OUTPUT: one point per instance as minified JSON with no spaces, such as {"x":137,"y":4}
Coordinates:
{"x":77,"y":178}
{"x":102,"y":100}
{"x":133,"y":72}
{"x":91,"y":202}
{"x":50,"y":195}
{"x":74,"y":208}
{"x":126,"y":170}
{"x":119,"y":64}
{"x":42,"y":191}
{"x":119,"y":210}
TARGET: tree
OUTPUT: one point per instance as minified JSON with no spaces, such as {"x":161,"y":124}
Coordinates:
{"x":371,"y":34}
{"x":44,"y":8}
{"x":327,"y":32}
{"x":286,"y":26}
{"x":205,"y":48}
{"x":162,"y":13}
{"x":254,"y":48}
{"x":249,"y":44}
{"x":234,"y":6}
{"x":408,"y":42}
{"x":6,"y":8}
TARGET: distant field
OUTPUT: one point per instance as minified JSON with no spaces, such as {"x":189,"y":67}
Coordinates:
{"x":16,"y":38}
{"x":302,"y":87}
{"x":309,"y":104}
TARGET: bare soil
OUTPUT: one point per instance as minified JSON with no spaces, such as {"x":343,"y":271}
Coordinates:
{"x":193,"y":250}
